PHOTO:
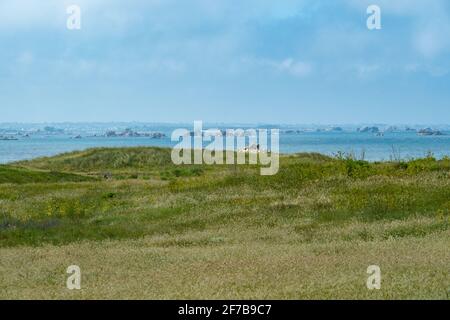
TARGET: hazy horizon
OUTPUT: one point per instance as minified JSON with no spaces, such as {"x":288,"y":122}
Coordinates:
{"x":356,"y":124}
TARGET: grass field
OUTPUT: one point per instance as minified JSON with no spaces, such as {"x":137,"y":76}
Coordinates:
{"x":140,"y":227}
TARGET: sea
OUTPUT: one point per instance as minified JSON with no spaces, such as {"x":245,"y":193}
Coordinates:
{"x":371,"y":142}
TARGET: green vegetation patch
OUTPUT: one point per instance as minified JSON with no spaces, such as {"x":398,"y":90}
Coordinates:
{"x":10,"y":174}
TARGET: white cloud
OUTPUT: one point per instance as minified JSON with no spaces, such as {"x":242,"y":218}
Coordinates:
{"x":288,"y":66}
{"x":430,"y":22}
{"x":368,"y":70}
{"x":170,"y":13}
{"x":295,"y":68}
{"x":213,"y":35}
{"x":25,"y":58}
{"x":432,"y":39}
{"x":414,"y":8}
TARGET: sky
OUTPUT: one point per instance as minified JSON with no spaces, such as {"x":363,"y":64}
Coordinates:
{"x":230,"y":61}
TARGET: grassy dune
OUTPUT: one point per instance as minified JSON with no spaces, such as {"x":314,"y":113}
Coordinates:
{"x":140,"y":227}
{"x":19,"y":175}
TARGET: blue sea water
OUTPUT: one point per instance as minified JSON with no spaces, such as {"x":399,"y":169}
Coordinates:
{"x":404,"y":144}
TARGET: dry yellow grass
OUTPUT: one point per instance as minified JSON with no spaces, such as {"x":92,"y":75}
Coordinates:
{"x":152,"y":268}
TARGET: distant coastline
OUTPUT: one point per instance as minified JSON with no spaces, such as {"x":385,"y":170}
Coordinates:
{"x":144,"y":128}
{"x":374,"y":142}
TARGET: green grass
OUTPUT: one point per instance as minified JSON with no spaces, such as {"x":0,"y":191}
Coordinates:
{"x":99,"y":160}
{"x":22,"y":175}
{"x":308,"y":232}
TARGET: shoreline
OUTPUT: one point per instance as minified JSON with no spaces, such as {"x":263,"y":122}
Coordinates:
{"x":336,"y":155}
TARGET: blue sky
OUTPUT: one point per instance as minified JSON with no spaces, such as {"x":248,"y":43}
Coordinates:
{"x":289,"y":61}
